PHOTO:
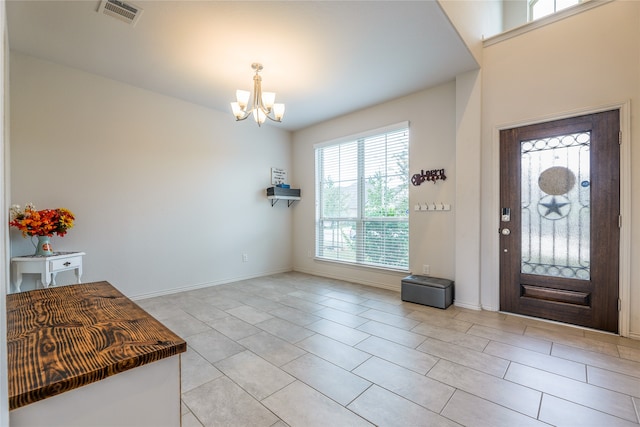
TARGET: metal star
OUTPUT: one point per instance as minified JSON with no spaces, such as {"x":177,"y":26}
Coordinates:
{"x":553,"y":207}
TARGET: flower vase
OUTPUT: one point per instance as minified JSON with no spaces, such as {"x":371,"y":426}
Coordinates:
{"x":44,"y":246}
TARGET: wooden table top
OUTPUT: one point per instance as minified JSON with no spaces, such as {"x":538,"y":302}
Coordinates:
{"x":65,"y":337}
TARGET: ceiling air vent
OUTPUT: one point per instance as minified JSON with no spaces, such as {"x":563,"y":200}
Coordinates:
{"x":125,"y":12}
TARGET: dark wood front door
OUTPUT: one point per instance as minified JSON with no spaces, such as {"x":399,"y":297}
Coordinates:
{"x":559,"y":220}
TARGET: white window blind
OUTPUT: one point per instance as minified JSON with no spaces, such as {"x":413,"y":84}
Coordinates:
{"x":362,"y":194}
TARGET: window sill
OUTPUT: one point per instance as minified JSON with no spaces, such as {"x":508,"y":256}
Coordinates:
{"x":363,"y":266}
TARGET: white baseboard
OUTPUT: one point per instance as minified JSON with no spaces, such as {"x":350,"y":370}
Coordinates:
{"x":466,"y":305}
{"x":634,"y":335}
{"x":206,"y":284}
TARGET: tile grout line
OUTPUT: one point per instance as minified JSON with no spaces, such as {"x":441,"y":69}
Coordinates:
{"x":579,"y":343}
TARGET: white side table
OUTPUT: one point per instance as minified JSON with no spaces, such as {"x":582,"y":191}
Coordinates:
{"x":47,"y":267}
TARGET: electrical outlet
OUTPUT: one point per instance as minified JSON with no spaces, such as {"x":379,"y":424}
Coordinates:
{"x":426,"y":269}
{"x":245,"y":258}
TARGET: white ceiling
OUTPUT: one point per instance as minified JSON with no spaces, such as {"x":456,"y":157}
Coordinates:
{"x":322,"y":58}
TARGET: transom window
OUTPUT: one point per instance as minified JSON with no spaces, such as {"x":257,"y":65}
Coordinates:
{"x":540,"y":8}
{"x":362,"y":206}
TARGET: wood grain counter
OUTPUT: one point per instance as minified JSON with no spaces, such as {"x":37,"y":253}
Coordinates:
{"x":63,"y":338}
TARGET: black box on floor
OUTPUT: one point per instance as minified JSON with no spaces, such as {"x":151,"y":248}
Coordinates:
{"x":427,"y":290}
{"x":284,"y":192}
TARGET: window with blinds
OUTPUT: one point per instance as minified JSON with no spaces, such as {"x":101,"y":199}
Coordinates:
{"x":362,"y":195}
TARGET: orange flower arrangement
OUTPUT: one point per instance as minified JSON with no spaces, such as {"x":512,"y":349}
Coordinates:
{"x":46,"y":222}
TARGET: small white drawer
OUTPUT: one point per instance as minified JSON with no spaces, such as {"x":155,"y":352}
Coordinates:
{"x":65,"y":263}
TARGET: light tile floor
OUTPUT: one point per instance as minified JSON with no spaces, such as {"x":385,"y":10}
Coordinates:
{"x":300,"y":350}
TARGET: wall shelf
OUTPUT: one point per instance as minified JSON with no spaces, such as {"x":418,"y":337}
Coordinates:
{"x":278,"y":193}
{"x":290,"y":199}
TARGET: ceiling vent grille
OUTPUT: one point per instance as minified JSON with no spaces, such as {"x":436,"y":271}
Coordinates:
{"x":125,"y":12}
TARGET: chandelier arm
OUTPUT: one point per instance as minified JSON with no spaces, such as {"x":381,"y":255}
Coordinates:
{"x":265,"y":109}
{"x":273,"y":119}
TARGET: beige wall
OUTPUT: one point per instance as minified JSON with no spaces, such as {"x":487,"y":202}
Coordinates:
{"x":584,"y":62}
{"x":468,"y":190}
{"x":168,"y":195}
{"x":474,"y":20}
{"x":431,"y":114}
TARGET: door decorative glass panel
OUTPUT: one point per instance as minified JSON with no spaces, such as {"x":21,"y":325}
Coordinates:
{"x":555,"y":180}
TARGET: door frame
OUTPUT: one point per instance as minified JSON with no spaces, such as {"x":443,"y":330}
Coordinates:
{"x":624,"y":315}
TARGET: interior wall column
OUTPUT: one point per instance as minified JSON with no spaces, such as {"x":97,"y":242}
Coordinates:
{"x":468,"y":191}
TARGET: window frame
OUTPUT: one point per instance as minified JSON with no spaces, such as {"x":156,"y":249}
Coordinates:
{"x":361,"y":220}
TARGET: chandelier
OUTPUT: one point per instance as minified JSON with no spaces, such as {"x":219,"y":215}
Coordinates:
{"x":262,"y":107}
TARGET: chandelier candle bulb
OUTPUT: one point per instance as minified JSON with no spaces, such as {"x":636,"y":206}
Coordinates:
{"x":237,"y":110}
{"x":259,"y":116}
{"x":242,"y":96}
{"x":278,"y":111}
{"x":268,"y":98}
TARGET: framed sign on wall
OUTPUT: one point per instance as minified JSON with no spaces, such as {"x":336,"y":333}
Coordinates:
{"x":278,"y":176}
